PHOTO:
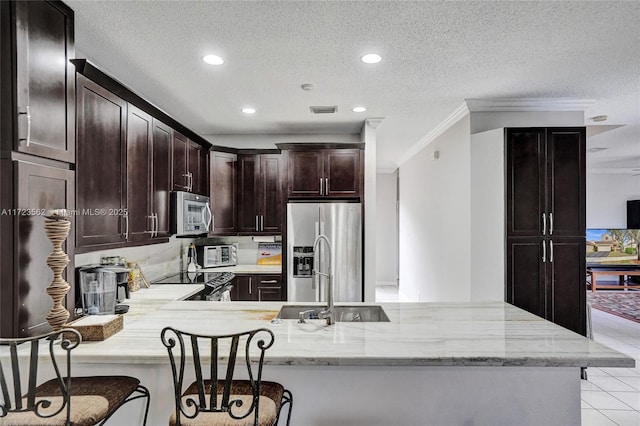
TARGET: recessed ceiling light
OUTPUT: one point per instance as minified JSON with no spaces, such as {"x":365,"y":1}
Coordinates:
{"x":371,"y":58}
{"x":249,"y":110}
{"x":213,"y":60}
{"x":358,"y":109}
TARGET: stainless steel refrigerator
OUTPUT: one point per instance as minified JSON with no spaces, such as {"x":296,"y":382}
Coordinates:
{"x":341,"y":223}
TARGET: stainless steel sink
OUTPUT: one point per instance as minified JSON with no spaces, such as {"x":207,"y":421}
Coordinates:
{"x":353,"y":313}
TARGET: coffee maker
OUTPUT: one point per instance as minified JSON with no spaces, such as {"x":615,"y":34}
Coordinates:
{"x":97,"y":290}
{"x":96,"y":280}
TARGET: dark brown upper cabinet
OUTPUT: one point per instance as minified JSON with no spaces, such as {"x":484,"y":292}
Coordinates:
{"x":124,"y":171}
{"x":222,"y":184}
{"x":320,"y":173}
{"x":545,"y":223}
{"x":161,"y":178}
{"x":260,"y":190}
{"x":189,"y":165}
{"x":101,"y":166}
{"x":139,"y":148}
{"x":546,"y":182}
{"x":38,"y":105}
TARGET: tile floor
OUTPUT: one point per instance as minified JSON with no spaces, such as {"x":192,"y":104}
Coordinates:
{"x":610,"y":396}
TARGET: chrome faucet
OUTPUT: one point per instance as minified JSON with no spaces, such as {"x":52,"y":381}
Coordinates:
{"x":328,"y":313}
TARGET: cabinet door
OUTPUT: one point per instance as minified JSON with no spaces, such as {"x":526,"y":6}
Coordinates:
{"x":222,"y":185}
{"x":525,"y":182}
{"x":269,"y":288}
{"x":525,"y":277}
{"x":270,"y":193}
{"x":566,"y":187}
{"x":202,"y":180}
{"x":243,"y":288}
{"x":45,"y":79}
{"x":566,"y":287}
{"x":42,"y":188}
{"x":342,"y":173}
{"x":161,"y":178}
{"x":248,"y":175}
{"x":305,"y":174}
{"x":179,"y":150}
{"x":139,"y":140}
{"x":101,"y":166}
{"x":195,"y":168}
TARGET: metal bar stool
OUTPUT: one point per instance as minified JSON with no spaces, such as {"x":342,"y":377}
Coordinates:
{"x":211,"y":400}
{"x":63,"y":400}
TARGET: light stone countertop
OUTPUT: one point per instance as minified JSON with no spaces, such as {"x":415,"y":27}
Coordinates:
{"x":419,"y":334}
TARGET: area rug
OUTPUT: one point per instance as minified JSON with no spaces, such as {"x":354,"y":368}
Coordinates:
{"x":625,"y":304}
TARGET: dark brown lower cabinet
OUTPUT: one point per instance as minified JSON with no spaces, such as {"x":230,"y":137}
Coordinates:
{"x":546,"y":277}
{"x":258,"y":287}
{"x":37,"y":189}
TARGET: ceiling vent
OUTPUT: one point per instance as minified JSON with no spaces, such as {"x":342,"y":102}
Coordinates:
{"x":323,"y":109}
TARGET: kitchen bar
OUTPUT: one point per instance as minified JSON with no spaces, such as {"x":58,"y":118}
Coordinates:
{"x":446,"y":362}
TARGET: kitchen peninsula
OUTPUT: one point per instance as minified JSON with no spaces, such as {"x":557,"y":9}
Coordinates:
{"x":448,"y":364}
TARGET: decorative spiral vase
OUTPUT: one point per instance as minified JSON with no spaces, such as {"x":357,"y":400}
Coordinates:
{"x":57,"y":229}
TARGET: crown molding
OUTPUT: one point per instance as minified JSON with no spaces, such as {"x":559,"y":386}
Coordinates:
{"x":528,"y":104}
{"x":459,"y":113}
{"x":374,"y":122}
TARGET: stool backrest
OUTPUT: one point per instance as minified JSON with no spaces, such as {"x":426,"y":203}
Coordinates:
{"x":15,"y":372}
{"x":209,"y":354}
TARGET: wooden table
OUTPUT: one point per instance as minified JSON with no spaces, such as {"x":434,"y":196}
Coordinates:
{"x":593,"y":272}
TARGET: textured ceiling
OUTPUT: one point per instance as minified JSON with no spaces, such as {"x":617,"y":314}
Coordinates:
{"x":435,"y":55}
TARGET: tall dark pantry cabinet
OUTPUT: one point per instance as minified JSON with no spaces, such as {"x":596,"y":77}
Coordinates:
{"x":37,"y":156}
{"x":545,"y":223}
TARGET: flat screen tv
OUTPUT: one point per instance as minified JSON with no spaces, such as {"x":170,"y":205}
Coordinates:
{"x":613,"y":246}
{"x":633,"y":214}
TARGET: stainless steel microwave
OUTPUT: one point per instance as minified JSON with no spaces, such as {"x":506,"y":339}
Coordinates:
{"x":218,"y":255}
{"x":190,"y":214}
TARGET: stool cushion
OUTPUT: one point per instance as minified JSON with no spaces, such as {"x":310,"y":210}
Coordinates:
{"x":269,"y":405}
{"x":93,"y":399}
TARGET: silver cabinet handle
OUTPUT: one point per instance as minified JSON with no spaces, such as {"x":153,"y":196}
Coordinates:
{"x":250,"y":279}
{"x":257,"y":229}
{"x":126,"y":226}
{"x":28,"y":114}
{"x":550,"y":223}
{"x":268,"y":282}
{"x":544,"y":252}
{"x":190,"y":182}
{"x":326,"y":186}
{"x":321,"y":186}
{"x":544,"y":224}
{"x":551,"y":251}
{"x":261,"y":222}
{"x":157,"y":223}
